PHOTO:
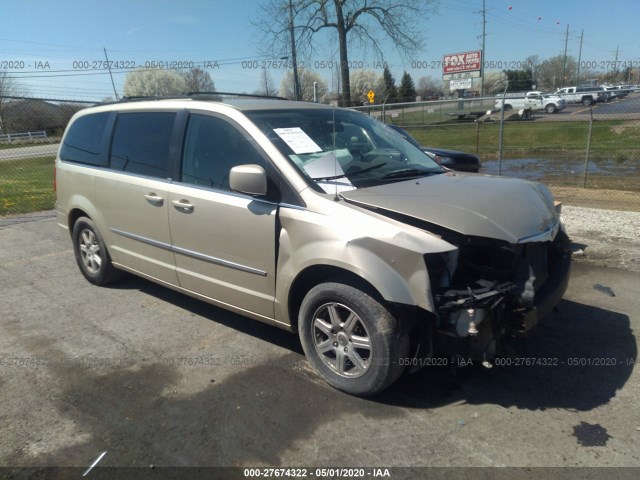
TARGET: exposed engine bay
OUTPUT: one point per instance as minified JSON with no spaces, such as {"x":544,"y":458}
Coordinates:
{"x":488,"y":291}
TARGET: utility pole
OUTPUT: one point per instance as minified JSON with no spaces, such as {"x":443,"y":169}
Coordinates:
{"x":579,"y":59}
{"x":615,"y":65}
{"x":110,"y":74}
{"x":484,"y":36}
{"x":564,"y":63}
{"x":296,"y":80}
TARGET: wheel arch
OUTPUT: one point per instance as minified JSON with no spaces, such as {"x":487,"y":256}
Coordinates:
{"x":317,"y":274}
{"x":80,"y":205}
{"x":73,"y":217}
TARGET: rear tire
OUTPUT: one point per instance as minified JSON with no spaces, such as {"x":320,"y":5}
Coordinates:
{"x":91,"y":254}
{"x":351,"y":338}
{"x":551,"y":108}
{"x":587,"y":101}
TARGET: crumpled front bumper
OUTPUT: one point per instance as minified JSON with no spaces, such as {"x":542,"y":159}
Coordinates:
{"x":476,"y":317}
{"x":546,"y":298}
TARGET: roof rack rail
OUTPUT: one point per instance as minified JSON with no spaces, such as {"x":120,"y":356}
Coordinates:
{"x":204,"y":95}
{"x":235,"y":94}
{"x":139,"y":98}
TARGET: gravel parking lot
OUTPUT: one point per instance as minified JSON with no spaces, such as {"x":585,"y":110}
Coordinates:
{"x":607,"y":238}
{"x":152,"y":377}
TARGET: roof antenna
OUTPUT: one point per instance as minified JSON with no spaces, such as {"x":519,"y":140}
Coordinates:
{"x":335,"y":156}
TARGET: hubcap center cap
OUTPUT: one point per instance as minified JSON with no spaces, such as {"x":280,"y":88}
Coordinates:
{"x":343,"y":340}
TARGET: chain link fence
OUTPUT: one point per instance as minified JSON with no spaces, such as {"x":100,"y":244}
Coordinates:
{"x":588,"y":155}
{"x":30,"y":132}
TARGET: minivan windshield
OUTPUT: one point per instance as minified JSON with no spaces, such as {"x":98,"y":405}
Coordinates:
{"x":338,"y":149}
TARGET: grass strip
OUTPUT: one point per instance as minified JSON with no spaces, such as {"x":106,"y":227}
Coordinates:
{"x":26,"y":185}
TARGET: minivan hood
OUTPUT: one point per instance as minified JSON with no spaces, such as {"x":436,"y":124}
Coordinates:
{"x":508,"y":209}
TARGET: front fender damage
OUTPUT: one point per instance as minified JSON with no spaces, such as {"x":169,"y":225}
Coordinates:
{"x":389,"y":257}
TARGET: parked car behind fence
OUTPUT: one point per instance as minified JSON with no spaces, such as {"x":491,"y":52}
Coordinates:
{"x":453,"y":159}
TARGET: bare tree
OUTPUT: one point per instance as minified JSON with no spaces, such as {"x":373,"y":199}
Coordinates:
{"x":266,"y":84}
{"x":307,"y":79}
{"x":550,"y":72}
{"x":533,"y":63}
{"x":198,"y":80}
{"x":429,"y":87}
{"x":365,"y":21}
{"x":8,"y":88}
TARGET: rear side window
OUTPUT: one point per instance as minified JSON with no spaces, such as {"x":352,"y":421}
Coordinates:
{"x":141,"y":143}
{"x":83,"y":140}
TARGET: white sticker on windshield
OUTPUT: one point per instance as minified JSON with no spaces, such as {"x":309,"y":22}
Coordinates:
{"x":299,"y":141}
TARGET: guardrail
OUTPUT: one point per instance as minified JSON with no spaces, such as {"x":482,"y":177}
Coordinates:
{"x":10,"y":137}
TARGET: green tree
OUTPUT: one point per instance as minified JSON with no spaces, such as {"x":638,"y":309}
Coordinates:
{"x":389,"y":90}
{"x":519,"y":80}
{"x":407,"y":89}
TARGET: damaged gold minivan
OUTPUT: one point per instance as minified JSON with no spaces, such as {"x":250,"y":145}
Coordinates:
{"x":315,"y":219}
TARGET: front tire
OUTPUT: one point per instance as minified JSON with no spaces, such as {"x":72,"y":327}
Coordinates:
{"x":351,"y":338}
{"x":551,"y":108}
{"x":91,"y":254}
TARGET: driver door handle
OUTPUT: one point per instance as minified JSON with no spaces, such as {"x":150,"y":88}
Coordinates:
{"x":154,"y":199}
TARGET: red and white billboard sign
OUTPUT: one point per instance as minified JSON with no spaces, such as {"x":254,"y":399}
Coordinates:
{"x":462,"y":62}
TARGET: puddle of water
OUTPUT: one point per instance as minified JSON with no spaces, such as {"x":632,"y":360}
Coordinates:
{"x":591,"y":435}
{"x":537,"y":168}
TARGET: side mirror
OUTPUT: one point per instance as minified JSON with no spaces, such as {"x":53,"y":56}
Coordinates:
{"x":249,"y":179}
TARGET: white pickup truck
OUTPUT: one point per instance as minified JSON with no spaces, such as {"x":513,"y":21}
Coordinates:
{"x":535,"y":100}
{"x":586,"y":95}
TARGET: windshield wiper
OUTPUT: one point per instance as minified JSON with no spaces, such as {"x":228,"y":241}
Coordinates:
{"x":364,"y":170}
{"x":406,"y":172}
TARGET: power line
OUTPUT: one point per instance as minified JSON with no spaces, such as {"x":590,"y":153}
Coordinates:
{"x":206,"y":64}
